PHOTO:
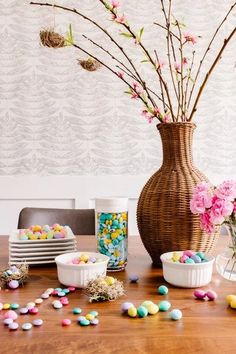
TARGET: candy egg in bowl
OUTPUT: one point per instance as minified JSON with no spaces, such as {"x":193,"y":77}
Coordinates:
{"x":78,"y":268}
{"x":187,"y":274}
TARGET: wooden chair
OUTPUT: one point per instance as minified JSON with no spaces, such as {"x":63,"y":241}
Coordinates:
{"x":81,"y":221}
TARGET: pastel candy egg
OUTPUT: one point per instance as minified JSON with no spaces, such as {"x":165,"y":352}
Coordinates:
{"x":50,"y":235}
{"x":164,"y":305}
{"x":61,"y":293}
{"x":76,"y":310}
{"x":46,"y":228}
{"x":233,"y":304}
{"x":75,"y":261}
{"x":9,"y":272}
{"x":66,"y":322}
{"x":152,"y":309}
{"x":81,"y":318}
{"x":176,"y":314}
{"x":196,"y":258}
{"x":13,"y":326}
{"x":175,"y":257}
{"x":94,"y":313}
{"x":7,"y":321}
{"x":230,"y":298}
{"x":13,"y":284}
{"x":142,"y":311}
{"x":57,"y":305}
{"x":30,"y":305}
{"x":71,"y":288}
{"x":84,"y":322}
{"x":23,"y":237}
{"x":38,"y":301}
{"x":188,"y":253}
{"x":37,"y":322}
{"x":133,"y":278}
{"x":84,"y":257}
{"x":24,"y":310}
{"x":132,"y":311}
{"x":6,"y":306}
{"x":14,"y":306}
{"x":201,"y":255}
{"x":33,"y":310}
{"x":183,"y":258}
{"x":211,"y":295}
{"x":189,"y":261}
{"x":89,"y":317}
{"x":93,"y":259}
{"x":11,"y":314}
{"x":199,"y":294}
{"x":45,"y":296}
{"x":125,"y":306}
{"x":59,"y":235}
{"x":109,"y":280}
{"x":94,"y":322}
{"x":162,"y":290}
{"x":36,"y":228}
{"x":26,"y":326}
{"x":146,"y":303}
{"x":64,"y":301}
{"x":66,"y":291}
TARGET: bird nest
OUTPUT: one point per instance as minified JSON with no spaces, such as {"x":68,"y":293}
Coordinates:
{"x":51,"y":39}
{"x":100,"y":290}
{"x":89,"y":64}
{"x":20,"y":274}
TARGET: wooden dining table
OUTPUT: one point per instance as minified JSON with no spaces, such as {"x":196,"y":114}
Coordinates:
{"x":206,"y":326}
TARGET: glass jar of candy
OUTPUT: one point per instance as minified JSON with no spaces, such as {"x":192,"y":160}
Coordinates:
{"x":112,"y":230}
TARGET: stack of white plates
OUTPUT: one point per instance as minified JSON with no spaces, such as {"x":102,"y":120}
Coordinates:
{"x":39,"y":251}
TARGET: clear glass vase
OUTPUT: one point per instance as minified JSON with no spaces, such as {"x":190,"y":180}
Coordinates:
{"x":226,"y":261}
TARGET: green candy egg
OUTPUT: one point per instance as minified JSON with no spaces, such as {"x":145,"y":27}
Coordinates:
{"x":162,"y":290}
{"x":142,"y":311}
{"x":201,"y":255}
{"x":84,"y":322}
{"x":164,"y":305}
{"x":189,"y":261}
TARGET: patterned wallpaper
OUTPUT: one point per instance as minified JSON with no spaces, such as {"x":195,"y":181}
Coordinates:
{"x":57,"y":119}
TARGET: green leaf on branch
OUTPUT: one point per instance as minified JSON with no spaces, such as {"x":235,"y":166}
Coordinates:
{"x":125,"y":34}
{"x":139,"y":35}
{"x":128,"y":92}
{"x":145,"y":61}
{"x":69,"y":36}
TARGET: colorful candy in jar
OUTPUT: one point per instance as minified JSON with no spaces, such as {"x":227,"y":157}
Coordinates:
{"x":45,"y":232}
{"x":188,"y":257}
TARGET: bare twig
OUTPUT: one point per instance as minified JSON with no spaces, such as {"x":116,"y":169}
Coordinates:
{"x":226,"y":41}
{"x":181,"y":96}
{"x":187,"y":83}
{"x":163,"y":27}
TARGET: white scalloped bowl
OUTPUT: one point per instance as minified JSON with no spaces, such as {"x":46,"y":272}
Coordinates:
{"x":186,"y":275}
{"x":79,"y":275}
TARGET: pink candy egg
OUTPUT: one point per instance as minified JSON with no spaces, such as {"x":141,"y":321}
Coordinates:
{"x":11,"y":314}
{"x":188,"y":253}
{"x":13,"y":284}
{"x":75,"y":261}
{"x":71,"y":288}
{"x":33,"y":310}
{"x":183,"y":258}
{"x":211,"y":295}
{"x":199,"y":294}
{"x":64,"y":301}
{"x":66,"y":322}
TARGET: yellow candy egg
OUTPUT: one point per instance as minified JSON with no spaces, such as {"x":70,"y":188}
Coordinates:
{"x":84,"y":257}
{"x":43,"y":236}
{"x":230,"y":298}
{"x":110,"y":280}
{"x":113,"y":235}
{"x":175,"y":257}
{"x":132,"y":311}
{"x":36,"y":228}
{"x":121,"y":263}
{"x":233,"y":304}
{"x":58,"y":228}
{"x":6,"y":306}
{"x":89,"y":317}
{"x":147,"y":303}
{"x":117,"y":253}
{"x":152,"y":309}
{"x":124,"y":216}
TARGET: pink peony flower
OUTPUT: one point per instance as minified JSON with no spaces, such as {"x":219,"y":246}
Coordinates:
{"x":220,"y":209}
{"x":226,"y":190}
{"x":115,"y":4}
{"x":206,"y":223}
{"x":190,"y":38}
{"x":202,"y":187}
{"x":200,"y":202}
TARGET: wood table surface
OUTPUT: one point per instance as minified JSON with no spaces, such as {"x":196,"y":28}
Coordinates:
{"x":206,"y":327}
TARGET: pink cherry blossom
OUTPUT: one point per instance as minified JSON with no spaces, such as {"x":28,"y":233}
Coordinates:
{"x":166,"y":118}
{"x":119,"y":19}
{"x":177,"y":66}
{"x":150,"y":119}
{"x":115,"y":4}
{"x":200,"y":202}
{"x":185,"y":61}
{"x":226,"y":190}
{"x":190,"y":38}
{"x":160,"y":64}
{"x":120,"y":74}
{"x":137,"y":90}
{"x":220,"y":209}
{"x":144,"y":113}
{"x":156,"y":111}
{"x":206,"y":223}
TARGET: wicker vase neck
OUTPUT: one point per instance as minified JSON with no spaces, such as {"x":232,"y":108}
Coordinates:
{"x":177,"y":144}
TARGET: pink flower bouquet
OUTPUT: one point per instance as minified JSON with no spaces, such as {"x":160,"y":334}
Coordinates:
{"x":215,"y":205}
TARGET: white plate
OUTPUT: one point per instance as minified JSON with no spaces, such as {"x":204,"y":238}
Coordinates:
{"x":37,"y":254}
{"x":42,"y":244}
{"x":36,"y":258}
{"x":14,"y":238}
{"x":42,"y":249}
{"x":12,"y":261}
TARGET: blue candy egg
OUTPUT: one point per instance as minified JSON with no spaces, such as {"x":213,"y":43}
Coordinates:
{"x":176,"y":314}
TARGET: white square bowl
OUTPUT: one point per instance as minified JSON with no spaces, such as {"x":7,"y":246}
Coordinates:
{"x":185,"y":275}
{"x":79,"y":275}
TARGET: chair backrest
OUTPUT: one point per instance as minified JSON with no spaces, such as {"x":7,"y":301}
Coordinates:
{"x":81,"y":221}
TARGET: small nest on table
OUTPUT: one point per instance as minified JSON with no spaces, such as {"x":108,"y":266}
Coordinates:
{"x":99,"y":290}
{"x":21,"y":275}
{"x":89,"y":64}
{"x":51,"y":39}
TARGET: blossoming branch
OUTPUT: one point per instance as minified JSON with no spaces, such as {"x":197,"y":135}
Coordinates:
{"x":175,"y":99}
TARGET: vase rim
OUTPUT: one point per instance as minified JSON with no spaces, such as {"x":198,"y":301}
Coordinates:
{"x":177,"y":124}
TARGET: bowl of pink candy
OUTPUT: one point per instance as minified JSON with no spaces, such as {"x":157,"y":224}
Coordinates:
{"x":187,"y":269}
{"x":78,"y":268}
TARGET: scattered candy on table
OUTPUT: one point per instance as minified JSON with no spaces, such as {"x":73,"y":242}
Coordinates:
{"x":231,"y":300}
{"x":45,"y":232}
{"x":132,"y":311}
{"x":26,"y":326}
{"x":164,"y":305}
{"x":24,"y":310}
{"x":162,"y":290}
{"x":112,"y":238}
{"x":188,"y":257}
{"x":11,"y":314}
{"x":76,"y":310}
{"x":176,"y":314}
{"x":66,"y":322}
{"x":133,"y":278}
{"x":125,"y":306}
{"x":13,"y":326}
{"x":142,"y":311}
{"x":37,"y":322}
{"x":33,"y":310}
{"x":205,"y":295}
{"x":14,"y":306}
{"x":13,"y":284}
{"x":7,"y":321}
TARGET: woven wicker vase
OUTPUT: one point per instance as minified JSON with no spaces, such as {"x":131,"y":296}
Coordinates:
{"x":164,"y":218}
